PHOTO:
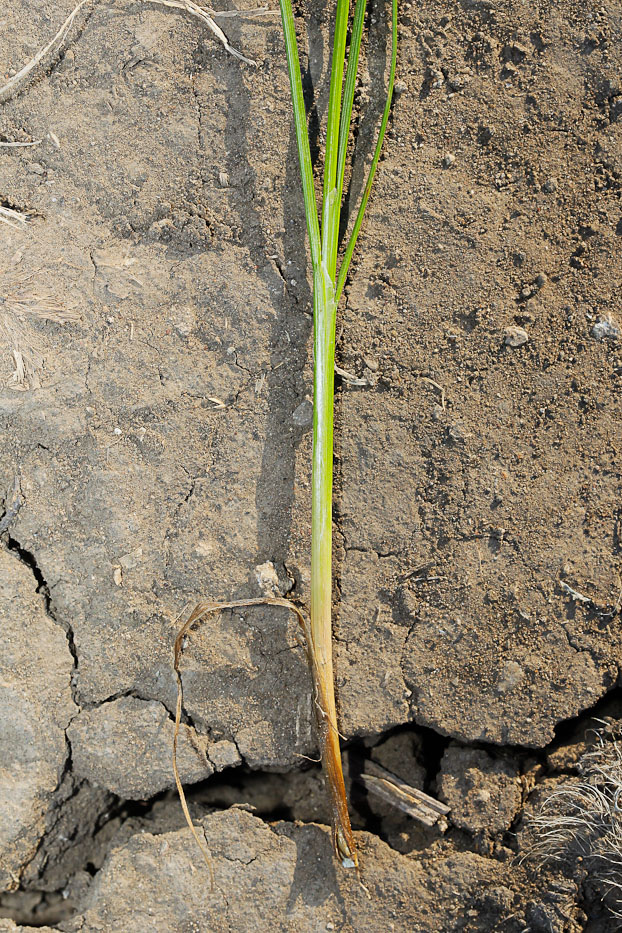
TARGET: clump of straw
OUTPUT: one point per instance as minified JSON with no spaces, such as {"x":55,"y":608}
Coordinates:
{"x":22,"y":302}
{"x":582,"y":818}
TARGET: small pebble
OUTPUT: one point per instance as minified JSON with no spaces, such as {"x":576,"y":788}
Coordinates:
{"x":36,"y":168}
{"x":511,"y":676}
{"x":541,"y":279}
{"x":399,"y":88}
{"x":606,"y":327}
{"x":550,"y":186}
{"x":268,"y":579}
{"x":303,"y":414}
{"x":448,"y":159}
{"x":514,"y":52}
{"x":223,"y":754}
{"x":371,"y":363}
{"x":223,"y":179}
{"x":515,"y":336}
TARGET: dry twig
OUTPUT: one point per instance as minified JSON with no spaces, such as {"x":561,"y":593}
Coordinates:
{"x":13,"y":218}
{"x":401,"y":795}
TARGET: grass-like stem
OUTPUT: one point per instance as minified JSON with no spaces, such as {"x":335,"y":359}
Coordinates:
{"x":326,"y":295}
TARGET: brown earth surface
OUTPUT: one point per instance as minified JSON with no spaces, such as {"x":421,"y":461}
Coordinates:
{"x":161,"y":438}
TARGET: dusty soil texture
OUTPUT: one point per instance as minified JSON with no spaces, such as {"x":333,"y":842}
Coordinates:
{"x":159,"y":302}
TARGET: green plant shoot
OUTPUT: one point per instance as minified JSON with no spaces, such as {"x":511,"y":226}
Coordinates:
{"x":327,"y":289}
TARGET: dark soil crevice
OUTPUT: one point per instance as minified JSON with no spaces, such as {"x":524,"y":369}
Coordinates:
{"x":29,"y":560}
{"x":272,"y":797}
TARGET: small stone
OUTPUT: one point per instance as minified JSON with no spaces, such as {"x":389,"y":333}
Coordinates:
{"x":117,"y":576}
{"x":526,"y":292}
{"x":511,"y":676}
{"x":458,"y":82}
{"x":36,"y":168}
{"x":514,"y":52}
{"x":303,"y":414}
{"x":399,"y":88}
{"x":223,"y":179}
{"x":268,"y":579}
{"x":224,"y":754}
{"x":130,"y":561}
{"x":541,"y":279}
{"x":448,"y":159}
{"x":371,"y":363}
{"x":550,"y":186}
{"x":606,"y":328}
{"x":515,"y":337}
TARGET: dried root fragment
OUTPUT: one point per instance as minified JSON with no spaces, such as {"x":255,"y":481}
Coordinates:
{"x":198,"y":614}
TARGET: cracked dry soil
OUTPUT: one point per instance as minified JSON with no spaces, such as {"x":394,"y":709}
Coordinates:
{"x":163,"y":455}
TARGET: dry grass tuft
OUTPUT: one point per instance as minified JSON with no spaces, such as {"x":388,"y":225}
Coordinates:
{"x":22,"y":303}
{"x":582,"y":818}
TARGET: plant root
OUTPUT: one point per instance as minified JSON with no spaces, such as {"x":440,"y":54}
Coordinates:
{"x":343,"y":839}
{"x":198,"y":614}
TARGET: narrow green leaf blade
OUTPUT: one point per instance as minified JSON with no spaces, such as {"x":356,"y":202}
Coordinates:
{"x":348,"y":93}
{"x":302,"y":134}
{"x":331,"y":205}
{"x":347,"y":258}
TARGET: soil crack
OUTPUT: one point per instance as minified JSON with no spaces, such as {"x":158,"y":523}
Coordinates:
{"x":27,"y":558}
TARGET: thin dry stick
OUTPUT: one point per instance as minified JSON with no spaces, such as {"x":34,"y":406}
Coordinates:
{"x":16,"y":145}
{"x":204,"y":16}
{"x":401,"y":795}
{"x":197,"y":615}
{"x":13,"y":83}
{"x":12,"y":218}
